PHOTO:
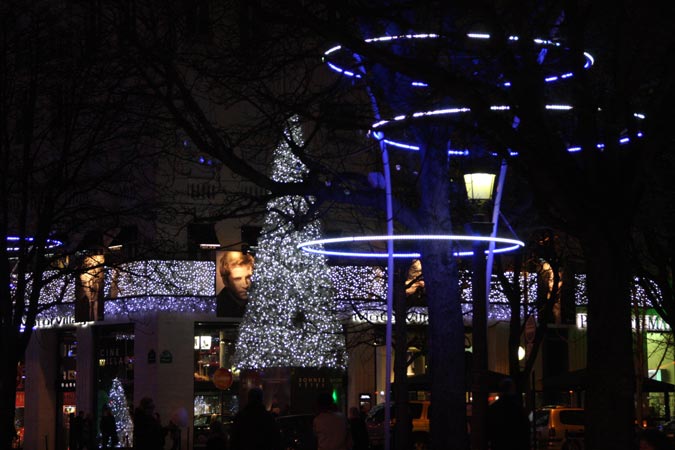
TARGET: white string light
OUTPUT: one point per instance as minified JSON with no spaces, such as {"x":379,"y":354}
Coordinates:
{"x":291,"y":318}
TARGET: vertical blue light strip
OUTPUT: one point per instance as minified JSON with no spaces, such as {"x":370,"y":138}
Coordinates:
{"x":390,"y":264}
{"x":495,"y":226}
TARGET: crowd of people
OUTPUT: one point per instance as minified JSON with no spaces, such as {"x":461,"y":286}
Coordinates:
{"x":85,"y":435}
{"x":83,"y":431}
{"x":256,"y":428}
{"x":148,"y":434}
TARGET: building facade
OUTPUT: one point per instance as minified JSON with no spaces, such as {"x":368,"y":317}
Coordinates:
{"x":159,"y":336}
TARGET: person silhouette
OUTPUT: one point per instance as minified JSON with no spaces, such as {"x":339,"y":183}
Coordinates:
{"x":254,"y":427}
{"x":148,"y":433}
{"x":508,"y":425}
{"x":108,"y":428}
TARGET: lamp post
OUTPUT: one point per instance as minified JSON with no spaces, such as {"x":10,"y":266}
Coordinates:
{"x":479,"y":188}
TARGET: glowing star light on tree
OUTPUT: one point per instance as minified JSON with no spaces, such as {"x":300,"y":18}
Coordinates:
{"x":291,"y":319}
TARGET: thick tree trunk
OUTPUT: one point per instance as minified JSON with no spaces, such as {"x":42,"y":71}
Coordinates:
{"x":610,"y":397}
{"x":8,"y":373}
{"x":446,"y":324}
{"x":446,"y":335}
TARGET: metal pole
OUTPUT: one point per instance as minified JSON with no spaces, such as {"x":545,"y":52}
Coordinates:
{"x":479,"y":392}
{"x":390,"y":294}
{"x":495,"y":225}
{"x":390,"y":267}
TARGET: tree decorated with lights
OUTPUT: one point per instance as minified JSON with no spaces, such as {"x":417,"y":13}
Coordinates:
{"x":291,"y":319}
{"x":120,"y":410}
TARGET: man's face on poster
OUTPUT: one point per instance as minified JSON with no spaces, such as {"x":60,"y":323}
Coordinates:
{"x":239,"y":281}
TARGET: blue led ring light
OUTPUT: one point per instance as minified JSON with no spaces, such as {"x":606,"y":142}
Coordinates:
{"x":12,"y":242}
{"x":383,"y":124}
{"x":543,"y":43}
{"x":316,"y":246}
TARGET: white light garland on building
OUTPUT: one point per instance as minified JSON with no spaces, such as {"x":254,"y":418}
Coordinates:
{"x":161,"y":278}
{"x":130,"y":306}
{"x":638,"y":294}
{"x":359,"y":282}
{"x":189,"y":287}
{"x":528,"y":286}
{"x":58,"y":287}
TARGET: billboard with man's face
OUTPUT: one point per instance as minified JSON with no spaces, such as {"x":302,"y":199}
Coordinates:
{"x":233,"y":280}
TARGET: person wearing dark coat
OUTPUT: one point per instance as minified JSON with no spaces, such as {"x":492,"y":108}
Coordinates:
{"x":254,"y":428}
{"x":148,"y":432}
{"x":217,"y":439}
{"x":108,"y":428}
{"x":75,"y":433}
{"x":357,"y":426}
{"x":89,"y":432}
{"x":508,"y":425}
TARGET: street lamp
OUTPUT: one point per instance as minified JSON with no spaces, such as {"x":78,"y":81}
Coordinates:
{"x":479,"y":188}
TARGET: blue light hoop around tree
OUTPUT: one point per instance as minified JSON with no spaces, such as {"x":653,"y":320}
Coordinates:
{"x":543,"y":43}
{"x":51,"y":243}
{"x":317,"y":246}
{"x":378,"y":127}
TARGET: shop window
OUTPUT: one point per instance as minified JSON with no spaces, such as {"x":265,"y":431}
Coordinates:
{"x":67,"y":362}
{"x":214,"y":349}
{"x":66,"y":376}
{"x":216,"y":382}
{"x":416,"y":362}
{"x":115,"y":354}
{"x":114,"y":348}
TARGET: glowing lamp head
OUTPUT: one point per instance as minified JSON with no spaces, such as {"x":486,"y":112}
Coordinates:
{"x":479,"y":185}
{"x":521,"y":353}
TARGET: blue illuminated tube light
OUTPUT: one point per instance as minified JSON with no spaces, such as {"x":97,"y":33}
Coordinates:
{"x":316,"y":246}
{"x":51,"y":243}
{"x":459,"y":110}
{"x":589,"y":61}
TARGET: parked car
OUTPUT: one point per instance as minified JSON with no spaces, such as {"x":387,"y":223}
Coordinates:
{"x":296,"y":432}
{"x":668,"y":429}
{"x":559,"y":428}
{"x":420,"y":411}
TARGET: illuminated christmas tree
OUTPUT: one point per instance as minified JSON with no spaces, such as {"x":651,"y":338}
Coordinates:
{"x":291,"y":319}
{"x":120,"y":410}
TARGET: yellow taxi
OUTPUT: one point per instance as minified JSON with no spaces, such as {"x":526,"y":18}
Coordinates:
{"x":559,"y":428}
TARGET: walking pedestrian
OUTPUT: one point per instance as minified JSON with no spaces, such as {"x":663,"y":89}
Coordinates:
{"x":75,"y":432}
{"x":88,"y":432}
{"x":217,"y":439}
{"x":148,"y":433}
{"x":330,"y":426}
{"x":357,"y":427}
{"x":108,"y":428}
{"x":254,"y":428}
{"x":508,"y":425}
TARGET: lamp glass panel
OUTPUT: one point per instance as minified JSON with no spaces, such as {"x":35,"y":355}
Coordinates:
{"x":479,"y":185}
